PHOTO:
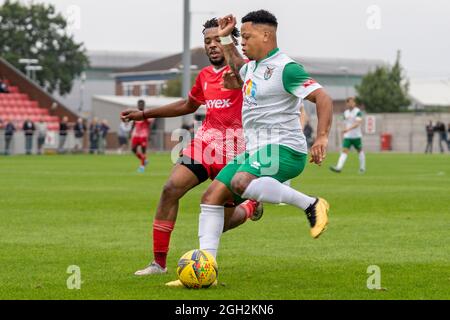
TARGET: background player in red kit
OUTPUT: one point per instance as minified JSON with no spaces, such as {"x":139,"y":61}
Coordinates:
{"x":139,"y":137}
{"x":208,"y":152}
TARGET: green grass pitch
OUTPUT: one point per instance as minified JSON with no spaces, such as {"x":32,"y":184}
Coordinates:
{"x":96,"y":212}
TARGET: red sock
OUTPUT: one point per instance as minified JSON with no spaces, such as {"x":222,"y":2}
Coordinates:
{"x":161,"y":237}
{"x":139,"y":155}
{"x":143,"y":158}
{"x":249,"y":207}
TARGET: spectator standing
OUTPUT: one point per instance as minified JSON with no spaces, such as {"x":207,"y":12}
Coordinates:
{"x":104,"y":128}
{"x":448,"y":136}
{"x":42,"y":134}
{"x":9,"y":133}
{"x":442,"y":132}
{"x":63,"y":129}
{"x":123,"y":135}
{"x":28,"y":128}
{"x":308,"y":131}
{"x":94,"y":135}
{"x":79,"y":131}
{"x":429,"y":129}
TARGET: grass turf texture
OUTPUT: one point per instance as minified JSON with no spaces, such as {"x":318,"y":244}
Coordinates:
{"x":96,"y":212}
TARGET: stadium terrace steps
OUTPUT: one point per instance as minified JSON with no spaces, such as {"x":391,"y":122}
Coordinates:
{"x":17,"y":107}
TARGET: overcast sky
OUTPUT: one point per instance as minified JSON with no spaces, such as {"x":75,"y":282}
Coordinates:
{"x":314,"y":28}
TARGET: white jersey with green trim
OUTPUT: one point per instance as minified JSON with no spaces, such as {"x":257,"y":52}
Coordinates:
{"x":350,"y":118}
{"x":273,"y":91}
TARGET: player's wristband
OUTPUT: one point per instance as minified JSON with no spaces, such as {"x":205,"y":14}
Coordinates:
{"x":226,"y":40}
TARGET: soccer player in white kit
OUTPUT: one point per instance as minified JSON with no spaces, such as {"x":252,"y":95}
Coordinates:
{"x":273,"y":87}
{"x":352,"y":135}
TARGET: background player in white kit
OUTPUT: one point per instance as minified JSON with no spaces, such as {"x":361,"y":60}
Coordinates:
{"x":352,"y":136}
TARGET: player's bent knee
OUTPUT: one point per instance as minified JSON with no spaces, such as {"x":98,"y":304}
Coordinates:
{"x":213,"y":196}
{"x":239,"y":183}
{"x":208,"y":197}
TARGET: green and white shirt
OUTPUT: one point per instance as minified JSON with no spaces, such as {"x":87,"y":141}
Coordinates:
{"x":350,"y":117}
{"x":273,"y":90}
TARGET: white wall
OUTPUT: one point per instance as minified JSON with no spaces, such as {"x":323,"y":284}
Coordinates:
{"x":407,"y":130}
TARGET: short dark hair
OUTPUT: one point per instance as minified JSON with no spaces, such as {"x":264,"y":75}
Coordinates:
{"x":350,"y":99}
{"x":214,"y":23}
{"x":261,"y":17}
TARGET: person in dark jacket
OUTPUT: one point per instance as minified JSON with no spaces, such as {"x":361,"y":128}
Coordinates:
{"x":63,"y":130}
{"x":94,"y":136}
{"x":442,"y":134}
{"x":79,"y":130}
{"x":9,"y":133}
{"x":104,"y":128}
{"x":28,"y":129}
{"x":3,"y":87}
{"x":429,"y":129}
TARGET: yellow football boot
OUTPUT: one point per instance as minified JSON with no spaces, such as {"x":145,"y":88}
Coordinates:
{"x":317,"y":215}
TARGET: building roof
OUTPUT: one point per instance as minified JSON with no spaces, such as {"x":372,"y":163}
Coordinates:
{"x":426,"y":92}
{"x":198,"y":58}
{"x":328,"y":66}
{"x":131,"y":101}
{"x":339,"y":66}
{"x":121,"y":59}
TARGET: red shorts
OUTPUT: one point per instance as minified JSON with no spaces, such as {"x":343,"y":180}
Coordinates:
{"x":200,"y":153}
{"x":139,"y":141}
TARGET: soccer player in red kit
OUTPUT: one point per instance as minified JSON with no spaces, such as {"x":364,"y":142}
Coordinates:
{"x":139,"y":137}
{"x":219,"y":140}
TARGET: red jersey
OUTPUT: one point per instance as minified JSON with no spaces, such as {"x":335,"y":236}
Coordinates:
{"x":222,"y":127}
{"x":141,"y":128}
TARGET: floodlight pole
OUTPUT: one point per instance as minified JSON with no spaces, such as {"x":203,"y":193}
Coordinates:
{"x":186,"y":84}
{"x":31,"y":67}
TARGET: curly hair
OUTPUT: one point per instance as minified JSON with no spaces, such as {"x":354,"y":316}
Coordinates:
{"x":214,"y":23}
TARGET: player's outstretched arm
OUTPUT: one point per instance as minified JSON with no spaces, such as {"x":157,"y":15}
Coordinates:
{"x":358,"y":122}
{"x":178,"y":108}
{"x":232,"y":55}
{"x":324,"y":106}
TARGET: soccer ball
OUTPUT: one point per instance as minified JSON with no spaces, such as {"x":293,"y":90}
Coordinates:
{"x":197,"y":269}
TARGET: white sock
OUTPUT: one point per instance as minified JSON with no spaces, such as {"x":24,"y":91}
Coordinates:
{"x":267,"y":189}
{"x":341,"y":161}
{"x":362,"y":161}
{"x":210,"y":227}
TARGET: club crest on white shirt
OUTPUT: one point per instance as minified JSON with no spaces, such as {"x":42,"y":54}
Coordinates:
{"x":268,"y":73}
